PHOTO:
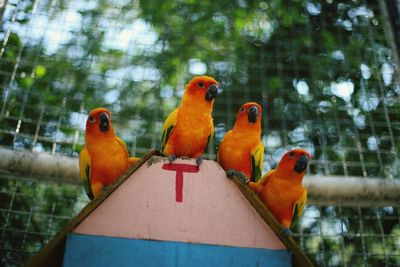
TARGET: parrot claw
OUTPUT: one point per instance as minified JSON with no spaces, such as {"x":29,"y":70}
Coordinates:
{"x":241,"y":176}
{"x":286,"y":231}
{"x":229,"y":173}
{"x":171,"y":158}
{"x":199,"y":160}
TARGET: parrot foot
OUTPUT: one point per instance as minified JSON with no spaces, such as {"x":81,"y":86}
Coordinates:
{"x":241,"y":176}
{"x":286,"y":231}
{"x":199,"y":160}
{"x":171,"y":158}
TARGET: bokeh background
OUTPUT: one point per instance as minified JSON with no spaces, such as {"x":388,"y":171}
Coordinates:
{"x":325,"y":72}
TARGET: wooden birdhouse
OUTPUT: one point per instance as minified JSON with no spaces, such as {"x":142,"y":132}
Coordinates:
{"x":172,"y":214}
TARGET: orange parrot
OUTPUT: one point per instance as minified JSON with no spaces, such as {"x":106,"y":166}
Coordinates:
{"x":104,"y":157}
{"x":241,"y":149}
{"x":281,"y":189}
{"x":189,"y":128}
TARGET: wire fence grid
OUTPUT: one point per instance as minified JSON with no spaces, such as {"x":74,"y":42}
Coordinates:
{"x":325,"y":73}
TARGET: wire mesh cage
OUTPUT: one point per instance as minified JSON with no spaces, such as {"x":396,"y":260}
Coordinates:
{"x":325,"y":72}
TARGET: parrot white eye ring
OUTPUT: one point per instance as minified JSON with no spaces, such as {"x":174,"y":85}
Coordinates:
{"x":291,"y":154}
{"x":200,"y":84}
{"x":92,"y":119}
{"x":242,"y":109}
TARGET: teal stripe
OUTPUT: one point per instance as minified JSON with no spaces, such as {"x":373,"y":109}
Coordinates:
{"x":96,"y":251}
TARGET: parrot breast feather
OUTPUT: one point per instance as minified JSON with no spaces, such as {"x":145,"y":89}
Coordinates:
{"x":85,"y":171}
{"x":257,"y":160}
{"x":298,"y":208}
{"x":168,"y":127}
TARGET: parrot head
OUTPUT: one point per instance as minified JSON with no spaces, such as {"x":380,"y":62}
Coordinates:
{"x":99,"y":123}
{"x":249,"y":115}
{"x":202,"y":87}
{"x":294,"y":163}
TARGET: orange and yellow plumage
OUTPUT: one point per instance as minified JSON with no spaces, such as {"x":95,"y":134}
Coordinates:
{"x":104,"y":156}
{"x":241,"y":148}
{"x":189,"y":128}
{"x":281,"y":189}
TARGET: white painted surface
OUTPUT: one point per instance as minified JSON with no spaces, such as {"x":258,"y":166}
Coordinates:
{"x":213,"y":210}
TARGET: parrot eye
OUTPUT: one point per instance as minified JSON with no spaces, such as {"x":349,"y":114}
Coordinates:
{"x":92,"y":119}
{"x":200,"y":84}
{"x":242,"y":109}
{"x":291,"y":154}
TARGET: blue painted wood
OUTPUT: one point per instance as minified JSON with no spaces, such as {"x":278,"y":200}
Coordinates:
{"x":97,"y":251}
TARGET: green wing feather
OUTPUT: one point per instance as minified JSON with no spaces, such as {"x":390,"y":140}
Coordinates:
{"x":85,"y":171}
{"x":298,"y":209}
{"x":168,"y":127}
{"x":257,"y":161}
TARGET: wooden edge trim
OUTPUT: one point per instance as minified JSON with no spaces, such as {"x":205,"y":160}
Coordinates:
{"x":299,"y":258}
{"x":52,"y":253}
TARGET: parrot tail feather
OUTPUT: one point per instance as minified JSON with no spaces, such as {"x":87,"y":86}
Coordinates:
{"x":199,"y":160}
{"x":171,"y":158}
{"x":286,"y":231}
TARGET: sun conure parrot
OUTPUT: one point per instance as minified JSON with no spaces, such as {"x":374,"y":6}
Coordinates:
{"x":281,"y":189}
{"x":104,"y":156}
{"x":189,"y":128}
{"x":241,"y":149}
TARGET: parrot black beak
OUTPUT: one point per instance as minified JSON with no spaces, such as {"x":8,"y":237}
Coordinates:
{"x":301,"y":164}
{"x":212,"y":92}
{"x":253,"y":114}
{"x":104,"y":122}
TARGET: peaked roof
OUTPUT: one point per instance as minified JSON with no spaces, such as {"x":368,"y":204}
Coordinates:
{"x":151,"y":197}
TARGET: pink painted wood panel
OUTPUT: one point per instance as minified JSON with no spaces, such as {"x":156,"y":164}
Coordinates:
{"x":203,"y":207}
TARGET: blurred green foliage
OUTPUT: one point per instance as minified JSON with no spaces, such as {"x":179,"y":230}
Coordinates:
{"x":322,"y":71}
